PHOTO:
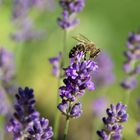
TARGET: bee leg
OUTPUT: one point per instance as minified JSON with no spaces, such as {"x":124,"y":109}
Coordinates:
{"x":75,"y":59}
{"x":91,"y":56}
{"x":85,"y":56}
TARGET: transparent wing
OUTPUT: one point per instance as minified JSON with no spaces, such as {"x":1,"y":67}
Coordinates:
{"x":81,"y":38}
{"x":84,"y":38}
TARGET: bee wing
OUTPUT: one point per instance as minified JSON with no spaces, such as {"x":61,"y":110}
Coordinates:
{"x":78,"y":39}
{"x":84,"y":38}
{"x":81,"y":38}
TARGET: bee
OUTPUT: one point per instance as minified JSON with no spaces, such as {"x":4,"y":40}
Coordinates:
{"x":84,"y":45}
{"x":78,"y":48}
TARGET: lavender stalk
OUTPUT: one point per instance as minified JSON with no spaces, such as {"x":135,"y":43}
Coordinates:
{"x":66,"y":128}
{"x":57,"y":72}
{"x":57,"y":116}
{"x":79,"y":75}
{"x":67,"y":21}
{"x":116,"y":115}
{"x":26,"y":122}
{"x":132,"y":70}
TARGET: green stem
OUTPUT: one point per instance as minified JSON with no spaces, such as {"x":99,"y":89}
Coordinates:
{"x":2,"y":120}
{"x":93,"y":129}
{"x":66,"y":128}
{"x":57,"y":116}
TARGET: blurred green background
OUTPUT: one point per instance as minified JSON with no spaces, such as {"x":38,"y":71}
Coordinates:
{"x":107,"y":23}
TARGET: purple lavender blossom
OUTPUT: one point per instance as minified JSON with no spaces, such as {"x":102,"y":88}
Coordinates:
{"x":40,"y":130}
{"x":7,"y":65}
{"x":132,"y":56}
{"x":76,"y":110}
{"x":78,"y":78}
{"x":116,"y":115}
{"x":99,"y":105}
{"x":70,"y":9}
{"x":55,"y":61}
{"x":26,"y":122}
{"x":104,"y":75}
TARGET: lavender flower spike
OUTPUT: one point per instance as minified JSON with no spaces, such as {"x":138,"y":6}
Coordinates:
{"x":70,"y":9}
{"x":78,"y":79}
{"x":116,"y":115}
{"x":132,"y":56}
{"x":26,"y":122}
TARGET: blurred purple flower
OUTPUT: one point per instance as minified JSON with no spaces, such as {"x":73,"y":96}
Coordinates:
{"x":26,"y":29}
{"x":138,"y":129}
{"x":99,"y":105}
{"x":78,"y":78}
{"x":132,"y":56}
{"x":138,"y":125}
{"x":4,"y":103}
{"x":26,"y":32}
{"x":104,"y":76}
{"x":45,"y":4}
{"x":26,"y":122}
{"x":7,"y":71}
{"x":138,"y":102}
{"x":21,"y":9}
{"x":116,"y":115}
{"x":7,"y":65}
{"x":70,"y":9}
{"x":129,"y":83}
{"x":55,"y":61}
